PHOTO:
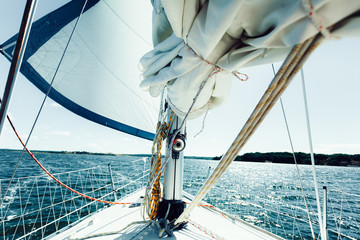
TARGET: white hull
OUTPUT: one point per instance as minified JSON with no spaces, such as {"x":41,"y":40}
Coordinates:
{"x":212,"y":222}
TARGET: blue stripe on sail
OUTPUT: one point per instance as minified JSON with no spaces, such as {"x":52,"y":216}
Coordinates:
{"x":42,"y":30}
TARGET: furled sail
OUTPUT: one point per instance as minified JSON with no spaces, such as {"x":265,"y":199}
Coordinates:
{"x":212,"y":40}
{"x":98,"y":77}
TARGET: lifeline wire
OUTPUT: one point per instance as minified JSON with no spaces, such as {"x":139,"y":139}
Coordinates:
{"x":42,"y":104}
{"x":296,"y":165}
{"x":53,"y":177}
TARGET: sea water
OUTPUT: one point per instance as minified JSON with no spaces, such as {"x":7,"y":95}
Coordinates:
{"x":264,"y":194}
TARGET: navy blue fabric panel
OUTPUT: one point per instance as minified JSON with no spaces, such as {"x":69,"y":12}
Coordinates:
{"x":40,"y":83}
{"x":46,"y":27}
{"x":42,"y":30}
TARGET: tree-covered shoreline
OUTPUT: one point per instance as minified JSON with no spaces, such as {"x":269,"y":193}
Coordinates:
{"x":338,"y":159}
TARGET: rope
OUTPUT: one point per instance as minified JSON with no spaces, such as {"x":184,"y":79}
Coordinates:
{"x":203,"y":121}
{"x":205,"y":230}
{"x":151,"y":200}
{"x":290,"y":67}
{"x":295,"y":161}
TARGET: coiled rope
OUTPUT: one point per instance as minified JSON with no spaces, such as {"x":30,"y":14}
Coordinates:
{"x":293,"y":63}
{"x":152,"y":199}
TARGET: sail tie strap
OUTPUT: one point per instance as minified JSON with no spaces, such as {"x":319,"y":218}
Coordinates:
{"x":314,"y":18}
{"x":216,"y":68}
{"x":290,"y":67}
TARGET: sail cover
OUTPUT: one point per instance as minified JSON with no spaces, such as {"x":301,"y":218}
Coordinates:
{"x":213,"y":40}
{"x":98,"y":77}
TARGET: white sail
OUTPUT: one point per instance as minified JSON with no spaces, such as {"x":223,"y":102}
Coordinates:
{"x":193,"y":37}
{"x":98,"y":76}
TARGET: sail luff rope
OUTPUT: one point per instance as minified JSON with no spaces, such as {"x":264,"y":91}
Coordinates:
{"x":312,"y":156}
{"x":291,"y":66}
{"x":295,"y":161}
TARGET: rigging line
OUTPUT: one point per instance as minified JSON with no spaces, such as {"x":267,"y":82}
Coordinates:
{"x":43,"y":102}
{"x":203,"y":122}
{"x":312,"y":156}
{"x":296,"y":165}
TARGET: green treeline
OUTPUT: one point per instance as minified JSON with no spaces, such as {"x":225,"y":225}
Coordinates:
{"x":301,"y":158}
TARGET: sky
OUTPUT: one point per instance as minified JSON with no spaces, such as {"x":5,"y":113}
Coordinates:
{"x":332,"y":84}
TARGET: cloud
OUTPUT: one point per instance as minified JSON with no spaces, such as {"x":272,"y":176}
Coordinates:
{"x":54,"y":105}
{"x":61,"y":133}
{"x":126,"y":139}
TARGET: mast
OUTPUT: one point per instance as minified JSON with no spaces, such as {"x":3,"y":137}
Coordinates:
{"x":171,"y":206}
{"x":17,"y":58}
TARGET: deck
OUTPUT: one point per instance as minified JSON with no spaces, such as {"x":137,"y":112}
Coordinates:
{"x":125,"y":222}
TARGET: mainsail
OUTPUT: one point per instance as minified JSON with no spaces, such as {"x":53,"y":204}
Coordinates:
{"x":98,"y":78}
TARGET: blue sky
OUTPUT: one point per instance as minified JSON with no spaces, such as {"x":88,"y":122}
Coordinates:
{"x":332,"y":81}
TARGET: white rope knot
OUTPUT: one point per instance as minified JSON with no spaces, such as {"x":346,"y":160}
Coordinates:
{"x":241,"y":76}
{"x":314,"y":18}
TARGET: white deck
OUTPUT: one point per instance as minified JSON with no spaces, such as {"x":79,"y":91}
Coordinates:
{"x":117,"y":217}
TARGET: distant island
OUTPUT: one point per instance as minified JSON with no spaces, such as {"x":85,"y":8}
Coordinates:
{"x":338,"y":159}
